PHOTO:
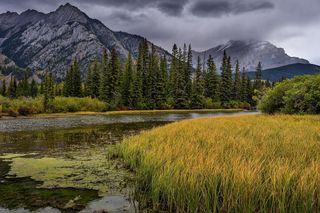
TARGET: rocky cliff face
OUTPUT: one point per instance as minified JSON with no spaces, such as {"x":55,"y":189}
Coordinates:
{"x":249,"y":53}
{"x":51,"y":41}
{"x":6,"y":62}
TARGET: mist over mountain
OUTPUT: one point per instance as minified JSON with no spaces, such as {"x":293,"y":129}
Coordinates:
{"x":249,"y":53}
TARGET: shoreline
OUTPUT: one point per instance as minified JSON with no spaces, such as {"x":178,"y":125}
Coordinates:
{"x":126,"y":112}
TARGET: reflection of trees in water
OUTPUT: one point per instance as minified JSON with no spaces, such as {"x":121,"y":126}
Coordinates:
{"x":68,"y":139}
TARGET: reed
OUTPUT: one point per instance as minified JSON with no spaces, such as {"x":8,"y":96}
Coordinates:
{"x":229,"y":164}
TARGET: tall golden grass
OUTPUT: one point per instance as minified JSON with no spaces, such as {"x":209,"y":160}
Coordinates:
{"x":229,"y":164}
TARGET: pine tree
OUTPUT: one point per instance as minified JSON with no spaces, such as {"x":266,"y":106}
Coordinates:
{"x":145,"y":70}
{"x":104,"y":78}
{"x":250,"y":91}
{"x":161,"y":86}
{"x":48,"y":91}
{"x":115,"y":74}
{"x":24,"y":85}
{"x":188,"y":73}
{"x":173,"y":71}
{"x":226,"y":79}
{"x":76,"y":80}
{"x":4,"y":88}
{"x":42,"y":88}
{"x":212,"y":81}
{"x":72,"y":83}
{"x":244,"y":89}
{"x":198,"y":88}
{"x":180,"y":95}
{"x":95,"y":80}
{"x":127,"y":84}
{"x":68,"y":84}
{"x":33,"y":89}
{"x":258,"y":80}
{"x":153,"y":73}
{"x":237,"y":84}
{"x":12,"y":90}
{"x":137,"y":85}
{"x":89,"y":81}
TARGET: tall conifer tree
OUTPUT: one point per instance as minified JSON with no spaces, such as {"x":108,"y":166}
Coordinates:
{"x":258,"y":80}
{"x":180,"y":95}
{"x":237,"y":83}
{"x":212,"y":80}
{"x":104,"y":78}
{"x":226,"y":79}
{"x":198,"y":87}
{"x":127,"y":84}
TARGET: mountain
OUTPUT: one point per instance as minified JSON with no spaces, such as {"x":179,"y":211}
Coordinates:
{"x":287,"y":72}
{"x":249,"y":53}
{"x":51,"y":41}
{"x":6,"y":62}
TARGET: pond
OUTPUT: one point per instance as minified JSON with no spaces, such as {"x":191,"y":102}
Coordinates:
{"x":67,"y":164}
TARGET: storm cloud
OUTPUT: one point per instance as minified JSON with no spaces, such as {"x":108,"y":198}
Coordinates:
{"x":220,"y":7}
{"x":291,"y":24}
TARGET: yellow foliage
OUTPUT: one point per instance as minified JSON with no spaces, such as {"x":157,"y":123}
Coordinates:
{"x":230,"y":164}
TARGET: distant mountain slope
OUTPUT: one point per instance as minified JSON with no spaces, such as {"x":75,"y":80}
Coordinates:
{"x":249,"y":53}
{"x":6,"y":62}
{"x":288,"y":71}
{"x":50,"y":41}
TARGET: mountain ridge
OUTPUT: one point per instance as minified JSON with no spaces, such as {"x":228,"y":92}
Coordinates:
{"x":51,"y":41}
{"x":287,"y":72}
{"x":249,"y":53}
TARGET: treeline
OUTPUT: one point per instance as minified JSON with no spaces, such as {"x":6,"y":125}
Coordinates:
{"x":150,"y":82}
{"x":16,"y":88}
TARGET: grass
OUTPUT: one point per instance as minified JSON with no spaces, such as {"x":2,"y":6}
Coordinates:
{"x":229,"y":164}
{"x":139,"y":112}
{"x":64,"y":106}
{"x":29,"y":106}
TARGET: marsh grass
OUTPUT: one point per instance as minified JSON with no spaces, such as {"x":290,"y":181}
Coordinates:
{"x":229,"y":164}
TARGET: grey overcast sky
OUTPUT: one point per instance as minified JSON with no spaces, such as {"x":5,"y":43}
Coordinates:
{"x":291,"y":24}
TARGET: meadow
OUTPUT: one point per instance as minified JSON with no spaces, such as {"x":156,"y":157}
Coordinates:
{"x":228,"y":164}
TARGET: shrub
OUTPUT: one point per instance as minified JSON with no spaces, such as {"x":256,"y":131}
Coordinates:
{"x":27,"y":106}
{"x":69,"y":104}
{"x":12,"y":113}
{"x":299,"y":95}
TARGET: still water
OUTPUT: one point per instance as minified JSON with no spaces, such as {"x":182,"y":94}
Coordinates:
{"x":68,"y":164}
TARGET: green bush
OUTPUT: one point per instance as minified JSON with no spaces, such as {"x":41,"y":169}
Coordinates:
{"x":300,"y":95}
{"x":21,"y":106}
{"x":64,"y":104}
{"x":28,"y":106}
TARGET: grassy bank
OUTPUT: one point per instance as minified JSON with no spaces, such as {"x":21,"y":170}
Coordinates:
{"x":65,"y":106}
{"x":229,"y":164}
{"x":29,"y":106}
{"x":139,"y":112}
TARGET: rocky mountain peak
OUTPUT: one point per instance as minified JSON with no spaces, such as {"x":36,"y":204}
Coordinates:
{"x":52,"y":41}
{"x":68,"y":13}
{"x":249,"y":53}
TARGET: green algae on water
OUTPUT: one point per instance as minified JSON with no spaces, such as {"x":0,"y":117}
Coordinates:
{"x":88,"y":169}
